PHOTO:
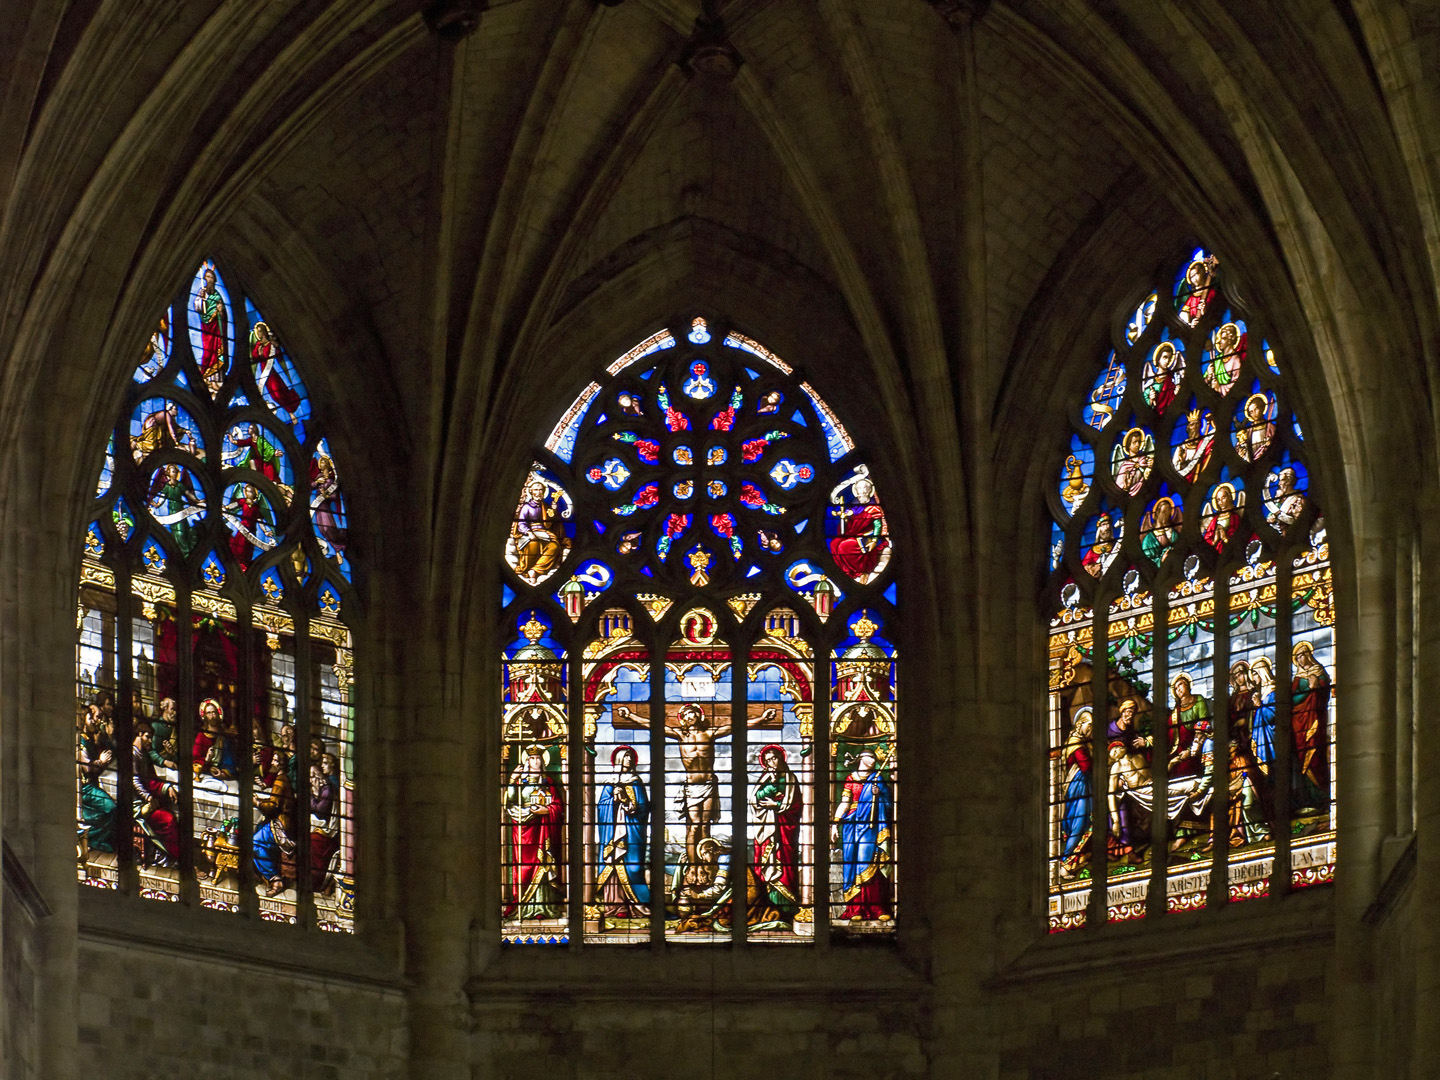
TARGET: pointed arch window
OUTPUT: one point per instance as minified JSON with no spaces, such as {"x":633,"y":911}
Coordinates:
{"x":696,"y":544}
{"x":1191,"y":697}
{"x":215,"y":736}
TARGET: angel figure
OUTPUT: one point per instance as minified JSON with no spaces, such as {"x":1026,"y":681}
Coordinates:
{"x":1132,"y":459}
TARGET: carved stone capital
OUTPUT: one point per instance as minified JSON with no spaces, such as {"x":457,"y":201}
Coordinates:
{"x":451,"y":20}
{"x":960,"y":12}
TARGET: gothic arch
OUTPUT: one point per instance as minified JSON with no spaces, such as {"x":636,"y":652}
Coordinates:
{"x":721,"y":456}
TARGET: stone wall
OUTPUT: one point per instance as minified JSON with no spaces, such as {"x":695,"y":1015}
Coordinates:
{"x":21,"y":951}
{"x":146,"y":1013}
{"x":696,"y":1039}
{"x":1254,"y":1013}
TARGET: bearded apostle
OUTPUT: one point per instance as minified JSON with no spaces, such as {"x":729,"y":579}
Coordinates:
{"x":1309,"y":712}
{"x":861,"y":831}
{"x":862,"y":547}
{"x":274,"y":841}
{"x":95,"y":756}
{"x":324,"y":818}
{"x":536,"y":810}
{"x":536,"y":534}
{"x":154,"y":804}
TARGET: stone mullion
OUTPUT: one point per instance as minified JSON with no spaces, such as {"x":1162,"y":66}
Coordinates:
{"x":121,"y":642}
{"x":658,"y":883}
{"x":307,"y":691}
{"x":1158,"y":896}
{"x":185,"y":744}
{"x":245,"y":702}
{"x":1284,"y":751}
{"x":822,"y":795}
{"x":1100,"y":764}
{"x":1219,"y":889}
{"x":575,"y":791}
{"x":739,"y":803}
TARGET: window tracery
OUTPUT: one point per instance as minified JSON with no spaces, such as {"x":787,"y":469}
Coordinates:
{"x":215,"y":736}
{"x":1190,"y":586}
{"x":694,"y":540}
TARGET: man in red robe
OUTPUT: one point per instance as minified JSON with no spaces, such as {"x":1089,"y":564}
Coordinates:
{"x":863,"y":545}
{"x":1310,"y":706}
{"x":210,"y":306}
{"x":154,"y":804}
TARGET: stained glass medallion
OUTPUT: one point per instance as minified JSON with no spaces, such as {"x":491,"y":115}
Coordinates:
{"x":696,"y":531}
{"x":1182,"y":564}
{"x":240,"y":736}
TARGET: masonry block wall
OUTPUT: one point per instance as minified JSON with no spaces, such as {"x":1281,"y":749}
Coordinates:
{"x":144,"y":1013}
{"x":1249,"y":1015}
{"x":21,"y":945}
{"x":699,"y":1040}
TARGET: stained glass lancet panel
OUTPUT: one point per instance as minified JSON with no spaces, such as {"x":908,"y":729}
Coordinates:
{"x":214,"y":662}
{"x":1185,"y":512}
{"x":701,"y":521}
{"x":1072,"y":756}
{"x":863,"y":835}
{"x":1252,"y":733}
{"x":1130,"y":718}
{"x":780,"y":789}
{"x":618,"y":793}
{"x":534,"y":771}
{"x":1189,"y":741}
{"x":702,"y":851}
{"x":1312,"y":701}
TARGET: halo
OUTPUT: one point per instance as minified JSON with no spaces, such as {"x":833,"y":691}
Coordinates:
{"x":1262,"y":398}
{"x":211,"y":701}
{"x":624,"y":749}
{"x":775,"y":747}
{"x":1234,"y":495}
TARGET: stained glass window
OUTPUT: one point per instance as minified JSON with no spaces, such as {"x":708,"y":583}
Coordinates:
{"x":697,"y":543}
{"x":215,"y":736}
{"x":1191,"y":719}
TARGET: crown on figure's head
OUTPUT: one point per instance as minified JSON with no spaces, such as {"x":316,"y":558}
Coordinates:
{"x":864,"y":627}
{"x":533,"y":630}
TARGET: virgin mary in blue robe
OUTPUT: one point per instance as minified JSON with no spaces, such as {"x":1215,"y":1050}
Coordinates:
{"x":623,"y":816}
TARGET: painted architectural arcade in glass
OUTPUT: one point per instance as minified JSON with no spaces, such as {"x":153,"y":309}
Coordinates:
{"x":696,"y":545}
{"x":215,"y":732}
{"x":1191,"y":698}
